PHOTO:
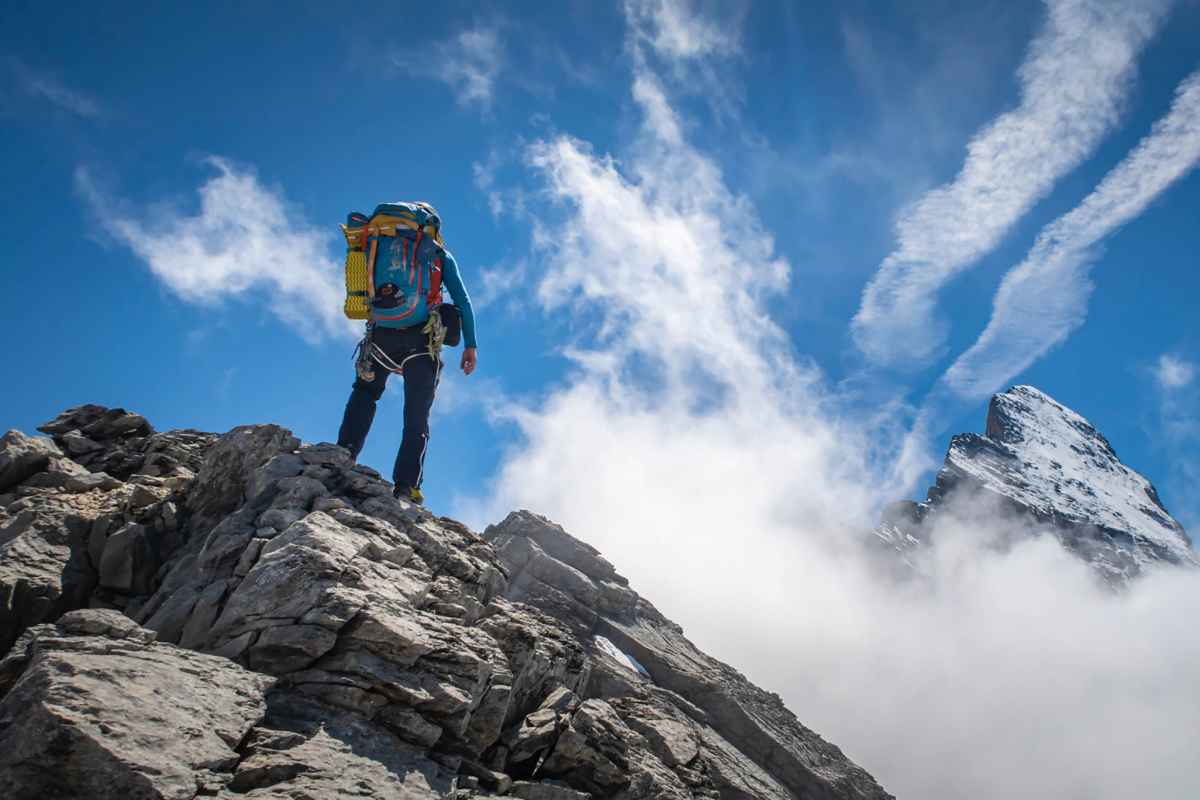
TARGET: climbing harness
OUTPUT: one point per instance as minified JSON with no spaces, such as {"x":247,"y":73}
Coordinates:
{"x":367,"y":353}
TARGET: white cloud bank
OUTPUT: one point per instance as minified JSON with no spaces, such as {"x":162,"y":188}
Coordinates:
{"x":243,"y":243}
{"x":709,"y":463}
{"x":1044,"y":299}
{"x":1073,"y":84}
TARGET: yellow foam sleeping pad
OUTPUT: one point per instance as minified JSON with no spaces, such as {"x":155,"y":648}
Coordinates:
{"x":358,"y":291}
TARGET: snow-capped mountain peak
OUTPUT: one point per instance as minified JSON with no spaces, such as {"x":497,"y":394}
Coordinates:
{"x":1046,"y":461}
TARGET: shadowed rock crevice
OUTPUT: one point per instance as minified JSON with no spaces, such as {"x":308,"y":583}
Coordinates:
{"x":312,"y":636}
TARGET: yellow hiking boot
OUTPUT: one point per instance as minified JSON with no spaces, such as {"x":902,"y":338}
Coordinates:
{"x":409,"y":493}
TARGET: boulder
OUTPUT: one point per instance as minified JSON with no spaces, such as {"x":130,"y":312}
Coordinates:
{"x":306,"y":750}
{"x":100,"y":710}
{"x":45,"y":568}
{"x":76,"y":444}
{"x":228,"y":468}
{"x":98,"y":423}
{"x":22,"y":457}
{"x":560,"y":545}
{"x":593,"y":750}
{"x":546,"y":790}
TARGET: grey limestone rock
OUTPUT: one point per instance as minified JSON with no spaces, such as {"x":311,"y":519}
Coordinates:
{"x":90,"y":481}
{"x":223,"y":480}
{"x":592,"y":750}
{"x":546,"y":790}
{"x":117,"y":441}
{"x":22,"y":457}
{"x":306,"y":750}
{"x":98,"y":423}
{"x":76,"y":444}
{"x":409,"y":656}
{"x":101,"y":710}
{"x":45,"y":568}
{"x":746,"y":740}
{"x":561,"y":546}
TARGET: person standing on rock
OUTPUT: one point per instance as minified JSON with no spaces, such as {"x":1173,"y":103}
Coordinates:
{"x":406,"y":265}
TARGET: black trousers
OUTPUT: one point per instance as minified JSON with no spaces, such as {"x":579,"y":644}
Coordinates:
{"x":420,"y":375}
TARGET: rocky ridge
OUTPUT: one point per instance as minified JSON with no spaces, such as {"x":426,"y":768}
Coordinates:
{"x":1044,"y":463}
{"x":190,"y":615}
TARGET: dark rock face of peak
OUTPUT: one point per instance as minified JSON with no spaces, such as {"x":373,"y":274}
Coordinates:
{"x":191,"y":615}
{"x":1042,"y":461}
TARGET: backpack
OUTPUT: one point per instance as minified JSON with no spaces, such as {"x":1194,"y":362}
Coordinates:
{"x":408,"y":234}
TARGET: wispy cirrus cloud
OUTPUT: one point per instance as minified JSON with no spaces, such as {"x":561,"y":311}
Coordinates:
{"x":472,"y":65}
{"x":1173,"y":372}
{"x":689,"y":40}
{"x":1177,"y":432}
{"x":44,"y":85}
{"x":244,"y":242}
{"x":677,"y":199}
{"x":1043,"y":299}
{"x":1074,"y":81}
{"x":679,"y":29}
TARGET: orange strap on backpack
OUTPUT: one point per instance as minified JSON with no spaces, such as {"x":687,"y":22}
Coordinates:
{"x":434,"y":295}
{"x":371,"y":269}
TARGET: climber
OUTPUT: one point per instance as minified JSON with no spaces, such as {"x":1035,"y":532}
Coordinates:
{"x":406,"y":264}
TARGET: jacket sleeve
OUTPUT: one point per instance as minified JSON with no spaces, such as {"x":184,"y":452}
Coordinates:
{"x":452,"y":280}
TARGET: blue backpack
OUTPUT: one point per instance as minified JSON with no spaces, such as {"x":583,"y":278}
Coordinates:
{"x":393,"y":257}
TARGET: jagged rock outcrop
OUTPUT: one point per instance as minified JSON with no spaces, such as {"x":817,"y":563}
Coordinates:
{"x":90,"y":517}
{"x":1045,"y":464}
{"x":681,"y":702}
{"x":310,"y":636}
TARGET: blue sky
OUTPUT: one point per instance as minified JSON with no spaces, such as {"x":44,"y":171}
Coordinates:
{"x":829,"y":122}
{"x":740,"y":270}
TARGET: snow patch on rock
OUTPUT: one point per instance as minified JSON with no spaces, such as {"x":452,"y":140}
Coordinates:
{"x":620,"y":655}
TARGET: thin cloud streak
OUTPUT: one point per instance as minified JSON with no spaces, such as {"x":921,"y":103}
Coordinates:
{"x":1042,"y":300}
{"x":46,"y":86}
{"x":1073,"y":85}
{"x":244,"y":243}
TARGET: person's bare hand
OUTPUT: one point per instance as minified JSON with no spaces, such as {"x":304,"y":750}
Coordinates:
{"x":468,"y":360}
